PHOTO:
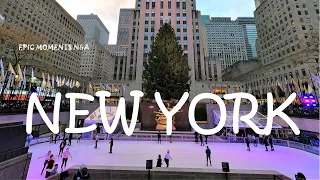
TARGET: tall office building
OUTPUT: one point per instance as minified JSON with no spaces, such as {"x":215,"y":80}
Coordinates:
{"x":119,"y":56}
{"x":226,"y":40}
{"x":250,"y":35}
{"x":96,"y":63}
{"x":124,"y":27}
{"x":147,"y":19}
{"x":94,"y":28}
{"x":48,"y":19}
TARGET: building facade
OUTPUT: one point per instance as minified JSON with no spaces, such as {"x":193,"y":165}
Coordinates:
{"x":119,"y":56}
{"x":94,"y":28}
{"x":226,"y":40}
{"x":50,"y":20}
{"x":124,"y":27}
{"x":288,"y":33}
{"x":250,"y":35}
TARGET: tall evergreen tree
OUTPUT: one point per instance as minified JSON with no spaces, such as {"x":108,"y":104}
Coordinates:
{"x":167,"y":68}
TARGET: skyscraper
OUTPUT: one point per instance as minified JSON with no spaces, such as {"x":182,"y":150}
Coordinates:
{"x":94,"y":28}
{"x":145,"y":22}
{"x":250,"y":35}
{"x":225,"y":39}
{"x":124,"y":27}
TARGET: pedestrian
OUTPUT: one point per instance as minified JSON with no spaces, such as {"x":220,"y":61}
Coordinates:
{"x":208,"y":154}
{"x":49,"y":166}
{"x":234,"y":137}
{"x":266,"y":142}
{"x":255,"y":141}
{"x":65,"y":156}
{"x":29,"y":139}
{"x":66,"y":136}
{"x":111,"y":145}
{"x":159,"y":161}
{"x":47,"y":158}
{"x":78,"y":138}
{"x":201,"y":140}
{"x":167,"y":157}
{"x":170,"y":138}
{"x":70,"y":138}
{"x":248,"y":143}
{"x":196,"y":136}
{"x":271,"y":143}
{"x":55,"y":170}
{"x":97,"y":139}
{"x":159,"y":138}
{"x":261,"y":139}
{"x":62,"y":145}
{"x":82,"y":173}
{"x":206,"y":136}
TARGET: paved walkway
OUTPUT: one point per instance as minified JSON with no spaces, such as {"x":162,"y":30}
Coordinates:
{"x":185,"y":155}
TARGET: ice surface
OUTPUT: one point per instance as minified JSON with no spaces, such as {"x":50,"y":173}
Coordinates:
{"x":185,"y":154}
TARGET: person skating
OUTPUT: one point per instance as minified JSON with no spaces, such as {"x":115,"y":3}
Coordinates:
{"x":248,"y":143}
{"x":47,"y":158}
{"x":255,"y":141}
{"x":201,"y":140}
{"x":62,"y":145}
{"x":70,"y":139}
{"x":111,"y":145}
{"x":78,"y":138}
{"x":55,"y":138}
{"x":208,"y":154}
{"x":265,"y":140}
{"x":167,"y":158}
{"x":159,"y":138}
{"x":271,"y":143}
{"x":159,"y":161}
{"x":206,"y":136}
{"x":196,"y":136}
{"x":49,"y":166}
{"x":65,"y":156}
{"x":170,"y":138}
{"x":97,"y":139}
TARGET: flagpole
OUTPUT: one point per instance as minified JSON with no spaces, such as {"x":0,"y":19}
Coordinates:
{"x":313,"y":87}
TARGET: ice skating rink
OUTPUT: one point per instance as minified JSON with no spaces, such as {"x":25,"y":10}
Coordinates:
{"x":285,"y":160}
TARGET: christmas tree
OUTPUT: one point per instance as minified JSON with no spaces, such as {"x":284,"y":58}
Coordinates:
{"x":167,"y":68}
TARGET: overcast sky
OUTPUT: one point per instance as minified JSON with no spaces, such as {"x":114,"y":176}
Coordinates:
{"x":108,"y":10}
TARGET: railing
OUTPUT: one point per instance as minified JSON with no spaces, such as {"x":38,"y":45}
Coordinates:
{"x":190,"y":138}
{"x":13,"y":153}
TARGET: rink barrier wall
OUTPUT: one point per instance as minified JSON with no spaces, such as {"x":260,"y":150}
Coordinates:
{"x":130,"y":173}
{"x":189,"y":138}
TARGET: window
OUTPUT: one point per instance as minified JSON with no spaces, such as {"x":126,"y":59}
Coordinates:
{"x":303,"y":27}
{"x":299,"y":12}
{"x":306,"y":12}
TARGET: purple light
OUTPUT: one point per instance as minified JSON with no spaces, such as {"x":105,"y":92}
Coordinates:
{"x":308,"y":104}
{"x":314,"y":105}
{"x":311,"y":97}
{"x":305,"y":97}
{"x":307,"y":100}
{"x":313,"y":100}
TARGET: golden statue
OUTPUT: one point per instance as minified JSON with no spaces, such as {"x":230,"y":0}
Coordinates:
{"x":162,"y":119}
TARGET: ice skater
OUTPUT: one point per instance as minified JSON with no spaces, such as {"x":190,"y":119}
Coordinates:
{"x":50,"y":165}
{"x":159,"y":138}
{"x":248,"y":143}
{"x":167,"y":158}
{"x":47,"y":158}
{"x":255,"y":141}
{"x":271,"y":143}
{"x":208,"y":154}
{"x":70,"y":139}
{"x":159,"y":161}
{"x":170,"y":138}
{"x":78,"y":138}
{"x":265,"y":140}
{"x":97,"y":139}
{"x":201,"y":140}
{"x":206,"y":136}
{"x":111,"y":145}
{"x":65,"y":156}
{"x":55,"y":138}
{"x":62,"y":145}
{"x":196,"y":136}
{"x":234,"y":137}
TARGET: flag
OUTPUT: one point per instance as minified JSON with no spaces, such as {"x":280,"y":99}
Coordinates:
{"x":315,"y":78}
{"x":48,"y":82}
{"x":74,"y":83}
{"x":20,"y":76}
{"x":108,"y":87}
{"x":10,"y":69}
{"x":77,"y":84}
{"x":102,"y":88}
{"x":310,"y":89}
{"x":24,"y":78}
{"x":123,"y":88}
{"x":57,"y":81}
{"x":90,"y":89}
{"x":250,"y":90}
{"x":10,"y":81}
{"x":2,"y":77}
{"x":44,"y":83}
{"x":32,"y":76}
{"x":52,"y":81}
{"x":280,"y":86}
{"x":67,"y":83}
{"x":296,"y":87}
{"x":63,"y":81}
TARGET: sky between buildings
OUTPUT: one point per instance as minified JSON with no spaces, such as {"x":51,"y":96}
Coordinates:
{"x":108,"y":10}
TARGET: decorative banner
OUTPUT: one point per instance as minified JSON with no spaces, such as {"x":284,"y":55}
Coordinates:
{"x":32,"y":76}
{"x":10,"y":69}
{"x":2,"y":76}
{"x":20,"y":76}
{"x":24,"y":78}
{"x":43,"y":84}
{"x":52,"y":81}
{"x":77,"y":84}
{"x":48,"y":82}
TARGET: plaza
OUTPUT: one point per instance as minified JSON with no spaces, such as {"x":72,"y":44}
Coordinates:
{"x":287,"y":161}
